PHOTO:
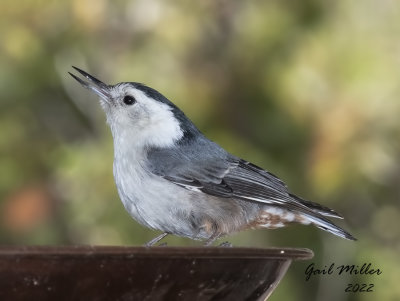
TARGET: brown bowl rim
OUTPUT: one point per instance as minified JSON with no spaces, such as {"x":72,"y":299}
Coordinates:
{"x":158,"y":251}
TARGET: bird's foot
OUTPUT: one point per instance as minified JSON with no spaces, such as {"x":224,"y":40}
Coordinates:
{"x":226,"y":244}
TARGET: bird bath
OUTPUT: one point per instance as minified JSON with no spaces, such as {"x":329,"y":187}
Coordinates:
{"x":142,"y":273}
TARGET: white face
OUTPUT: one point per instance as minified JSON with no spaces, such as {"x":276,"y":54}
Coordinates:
{"x":137,"y":119}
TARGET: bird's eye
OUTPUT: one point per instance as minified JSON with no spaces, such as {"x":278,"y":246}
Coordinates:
{"x":129,"y":100}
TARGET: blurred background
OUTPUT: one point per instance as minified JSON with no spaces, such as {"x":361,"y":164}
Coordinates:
{"x":306,"y":89}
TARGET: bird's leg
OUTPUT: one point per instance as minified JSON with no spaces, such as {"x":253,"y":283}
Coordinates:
{"x":156,"y":239}
{"x":211,"y":240}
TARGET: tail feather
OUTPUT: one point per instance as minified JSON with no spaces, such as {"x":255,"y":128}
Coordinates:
{"x":317,"y":217}
{"x":279,"y":216}
{"x":338,"y":231}
{"x":325,"y":224}
{"x":318,"y":208}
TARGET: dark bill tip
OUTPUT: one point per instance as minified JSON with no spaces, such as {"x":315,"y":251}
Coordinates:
{"x":90,"y":77}
{"x":79,"y":80}
{"x":93,"y":84}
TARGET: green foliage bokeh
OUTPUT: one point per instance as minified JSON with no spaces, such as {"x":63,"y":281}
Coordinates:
{"x":308,"y":90}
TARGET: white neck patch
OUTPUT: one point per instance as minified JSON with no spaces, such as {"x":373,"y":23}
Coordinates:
{"x":148,"y":123}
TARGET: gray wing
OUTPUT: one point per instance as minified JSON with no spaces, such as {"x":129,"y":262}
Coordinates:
{"x":216,"y":172}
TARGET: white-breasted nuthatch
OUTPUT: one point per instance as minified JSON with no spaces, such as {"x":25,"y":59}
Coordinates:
{"x":170,"y":177}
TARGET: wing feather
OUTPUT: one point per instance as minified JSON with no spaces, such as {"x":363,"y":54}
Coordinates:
{"x":220,"y":174}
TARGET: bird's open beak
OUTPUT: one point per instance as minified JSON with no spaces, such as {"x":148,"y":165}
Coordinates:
{"x":93,"y":84}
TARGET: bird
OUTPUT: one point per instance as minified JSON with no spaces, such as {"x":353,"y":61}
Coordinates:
{"x":170,"y":177}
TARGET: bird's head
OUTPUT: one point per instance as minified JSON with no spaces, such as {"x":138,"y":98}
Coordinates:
{"x":139,"y":114}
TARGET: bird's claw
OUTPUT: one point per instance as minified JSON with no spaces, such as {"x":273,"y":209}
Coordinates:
{"x":225,"y":244}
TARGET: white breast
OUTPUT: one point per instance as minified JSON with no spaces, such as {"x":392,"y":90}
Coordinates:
{"x":150,"y":199}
